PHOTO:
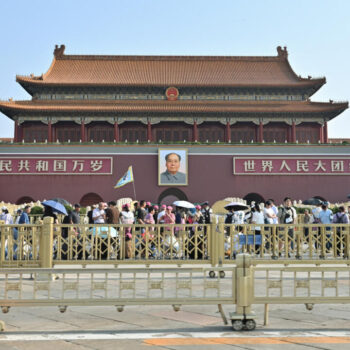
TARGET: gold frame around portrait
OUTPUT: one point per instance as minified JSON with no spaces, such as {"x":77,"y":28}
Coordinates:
{"x":161,"y":156}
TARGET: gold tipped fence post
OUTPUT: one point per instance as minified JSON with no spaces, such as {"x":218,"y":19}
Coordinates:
{"x":244,"y":292}
{"x":214,"y":243}
{"x":2,"y":247}
{"x":220,"y":234}
{"x":347,"y":243}
{"x":46,"y":243}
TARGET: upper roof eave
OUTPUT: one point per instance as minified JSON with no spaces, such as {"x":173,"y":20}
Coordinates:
{"x":173,"y":106}
{"x":24,"y":80}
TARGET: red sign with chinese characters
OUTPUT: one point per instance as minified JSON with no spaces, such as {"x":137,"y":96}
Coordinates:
{"x":258,"y":165}
{"x":55,"y":165}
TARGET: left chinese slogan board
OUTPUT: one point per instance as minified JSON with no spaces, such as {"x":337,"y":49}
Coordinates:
{"x":23,"y":165}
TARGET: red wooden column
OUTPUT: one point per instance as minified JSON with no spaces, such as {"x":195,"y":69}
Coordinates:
{"x":325,"y":132}
{"x":195,"y":131}
{"x":16,"y":132}
{"x":228,"y":132}
{"x":49,"y":131}
{"x":261,"y":132}
{"x":149,"y":131}
{"x":321,"y":134}
{"x":116,"y":132}
{"x":82,"y":131}
{"x":19,"y":132}
{"x":293,"y":133}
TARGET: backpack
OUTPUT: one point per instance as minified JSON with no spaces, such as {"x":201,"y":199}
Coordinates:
{"x":339,"y":219}
{"x":287,"y":215}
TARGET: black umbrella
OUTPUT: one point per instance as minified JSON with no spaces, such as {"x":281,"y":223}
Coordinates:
{"x":312,"y":201}
{"x":60,"y":200}
{"x":236,"y":206}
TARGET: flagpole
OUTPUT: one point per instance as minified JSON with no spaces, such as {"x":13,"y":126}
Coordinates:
{"x":133,"y":184}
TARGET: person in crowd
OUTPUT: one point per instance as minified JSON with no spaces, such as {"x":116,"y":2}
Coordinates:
{"x":2,"y":215}
{"x":6,"y":216}
{"x":18,"y":213}
{"x":257,"y":218}
{"x":206,"y":212}
{"x":269,"y":214}
{"x":238,"y":217}
{"x":135,"y":209}
{"x":307,"y":219}
{"x":275,"y":210}
{"x":149,"y":220}
{"x":141,"y":213}
{"x":168,"y":217}
{"x":326,"y":217}
{"x":316,"y":213}
{"x":24,"y":218}
{"x":148,"y":205}
{"x":161,"y":214}
{"x":89,"y":214}
{"x":8,"y":220}
{"x":112,"y":213}
{"x":48,"y":212}
{"x":199,"y":214}
{"x":340,"y":218}
{"x":73,"y":218}
{"x":127,"y":218}
{"x":15,"y":230}
{"x":288,"y":215}
{"x":156,"y":212}
{"x":229,"y":218}
{"x":98,"y":214}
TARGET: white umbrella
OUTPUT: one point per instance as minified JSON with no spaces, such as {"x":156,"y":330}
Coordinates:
{"x":236,"y":206}
{"x":184,"y":204}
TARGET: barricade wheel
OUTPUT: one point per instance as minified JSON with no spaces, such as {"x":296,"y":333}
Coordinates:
{"x":250,"y":325}
{"x":237,"y":325}
{"x":212,"y":274}
{"x":222,"y":274}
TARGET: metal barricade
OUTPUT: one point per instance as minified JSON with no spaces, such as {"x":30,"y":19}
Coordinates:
{"x":132,"y":244}
{"x":288,"y":243}
{"x":47,"y":244}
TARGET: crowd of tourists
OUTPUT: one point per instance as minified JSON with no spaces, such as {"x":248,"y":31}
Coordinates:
{"x":144,"y":213}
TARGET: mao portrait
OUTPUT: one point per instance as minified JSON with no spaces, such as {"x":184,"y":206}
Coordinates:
{"x":172,"y":167}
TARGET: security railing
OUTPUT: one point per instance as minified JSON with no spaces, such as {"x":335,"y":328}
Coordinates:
{"x":20,"y":245}
{"x":118,"y":244}
{"x":46,"y":244}
{"x":243,"y":286}
{"x":303,"y":242}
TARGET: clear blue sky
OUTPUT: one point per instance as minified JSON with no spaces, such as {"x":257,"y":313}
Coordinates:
{"x":316,"y":33}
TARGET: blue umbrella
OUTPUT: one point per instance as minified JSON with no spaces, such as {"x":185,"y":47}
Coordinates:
{"x":56,"y":206}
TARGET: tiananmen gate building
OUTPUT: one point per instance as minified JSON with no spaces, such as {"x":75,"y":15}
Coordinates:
{"x":240,"y":126}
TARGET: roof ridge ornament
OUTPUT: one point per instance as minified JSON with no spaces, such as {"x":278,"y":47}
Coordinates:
{"x":59,"y":51}
{"x":283,"y":53}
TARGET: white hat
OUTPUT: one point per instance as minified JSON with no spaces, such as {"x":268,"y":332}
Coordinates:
{"x":4,"y":208}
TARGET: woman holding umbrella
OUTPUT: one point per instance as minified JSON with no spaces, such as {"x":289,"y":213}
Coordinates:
{"x":48,"y":211}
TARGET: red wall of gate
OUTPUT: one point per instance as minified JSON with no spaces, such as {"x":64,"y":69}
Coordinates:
{"x":210,"y":178}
